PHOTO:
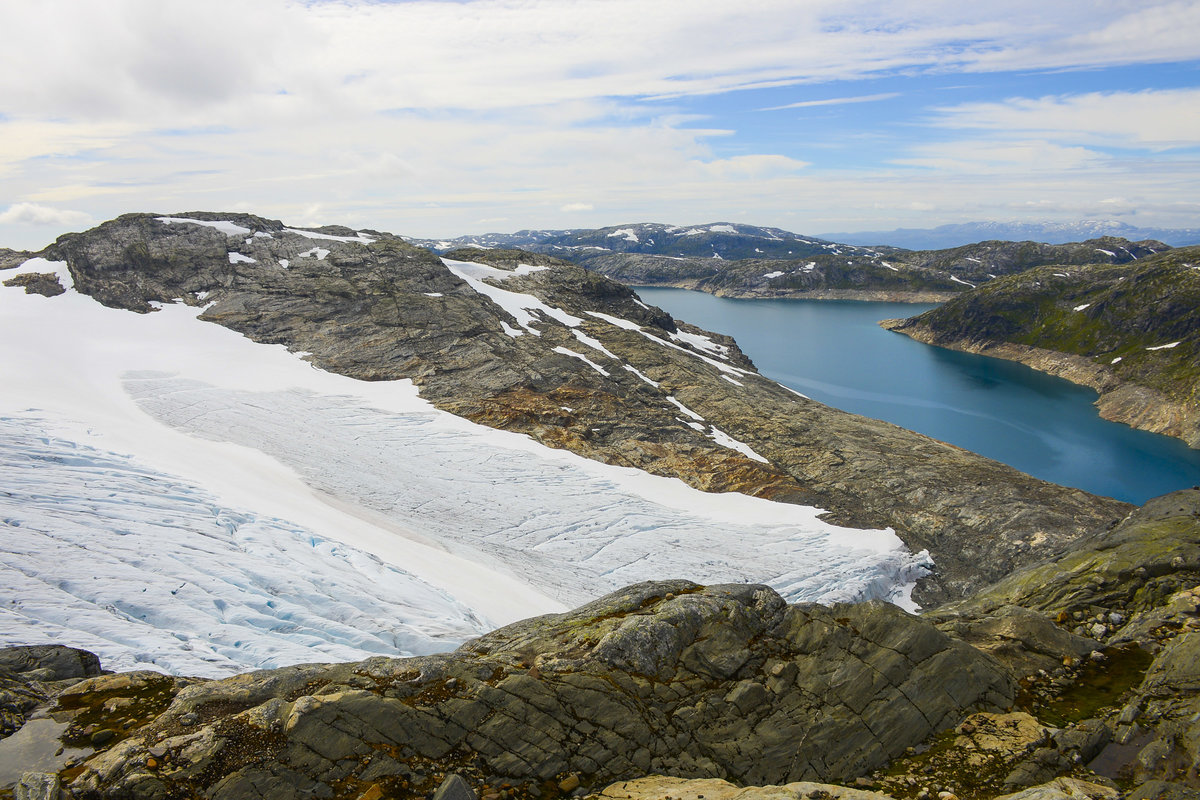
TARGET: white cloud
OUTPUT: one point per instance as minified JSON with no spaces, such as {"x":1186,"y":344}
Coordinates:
{"x":1155,"y":119}
{"x":425,"y":117}
{"x":836,"y":101}
{"x":33,"y":214}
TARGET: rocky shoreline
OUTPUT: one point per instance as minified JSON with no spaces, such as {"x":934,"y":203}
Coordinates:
{"x":1119,"y":401}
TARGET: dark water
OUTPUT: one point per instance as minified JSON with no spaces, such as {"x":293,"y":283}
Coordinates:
{"x":834,"y":352}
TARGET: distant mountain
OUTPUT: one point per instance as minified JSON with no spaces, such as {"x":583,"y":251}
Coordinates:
{"x":1050,"y":232}
{"x":715,"y":240}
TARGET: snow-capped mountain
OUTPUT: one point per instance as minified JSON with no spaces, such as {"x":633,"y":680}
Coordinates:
{"x":718,"y":240}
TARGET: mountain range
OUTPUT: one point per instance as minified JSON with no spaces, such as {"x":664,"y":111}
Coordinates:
{"x":958,"y":234}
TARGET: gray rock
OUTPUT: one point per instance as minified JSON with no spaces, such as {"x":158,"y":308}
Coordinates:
{"x":454,"y":788}
{"x":37,"y":786}
{"x":630,"y":684}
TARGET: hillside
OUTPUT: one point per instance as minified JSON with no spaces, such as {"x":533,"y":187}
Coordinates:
{"x":1129,"y":331}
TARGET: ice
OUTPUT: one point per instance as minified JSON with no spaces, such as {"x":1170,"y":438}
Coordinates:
{"x":361,"y":238}
{"x":1164,"y":346}
{"x":227,"y":228}
{"x":152,"y":572}
{"x":238,"y":258}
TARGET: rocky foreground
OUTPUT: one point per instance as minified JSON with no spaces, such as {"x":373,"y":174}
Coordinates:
{"x":1078,"y":677}
{"x":1130,"y":331}
{"x":537,"y":345}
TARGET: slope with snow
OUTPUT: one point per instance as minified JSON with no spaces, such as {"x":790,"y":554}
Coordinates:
{"x":190,"y":500}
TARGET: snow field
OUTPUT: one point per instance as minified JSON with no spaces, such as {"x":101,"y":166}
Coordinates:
{"x":331,"y":518}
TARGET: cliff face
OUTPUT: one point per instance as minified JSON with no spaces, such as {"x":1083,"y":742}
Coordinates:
{"x":1131,"y":332}
{"x":543,"y":347}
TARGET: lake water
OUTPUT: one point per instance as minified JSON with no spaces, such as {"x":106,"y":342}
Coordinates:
{"x":834,"y":352}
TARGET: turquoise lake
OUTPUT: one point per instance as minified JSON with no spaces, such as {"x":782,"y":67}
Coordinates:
{"x":834,"y":352}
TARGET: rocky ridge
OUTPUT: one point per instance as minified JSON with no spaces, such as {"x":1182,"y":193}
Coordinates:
{"x":1128,"y":331}
{"x":533,"y":344}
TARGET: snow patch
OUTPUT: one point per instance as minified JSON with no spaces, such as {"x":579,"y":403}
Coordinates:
{"x":238,"y":258}
{"x":1164,"y":346}
{"x":772,"y":275}
{"x":227,"y":228}
{"x":1109,"y":253}
{"x":722,"y":229}
{"x":964,"y":283}
{"x":628,"y":233}
{"x":360,"y":238}
{"x":1082,"y":307}
{"x":42,"y":266}
{"x":319,"y":252}
{"x":564,"y":351}
{"x":684,"y":409}
{"x":725,"y":440}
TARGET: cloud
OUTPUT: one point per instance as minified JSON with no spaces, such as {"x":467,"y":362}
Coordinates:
{"x":1153,"y":119}
{"x":836,"y":101}
{"x":33,"y":214}
{"x":576,"y":207}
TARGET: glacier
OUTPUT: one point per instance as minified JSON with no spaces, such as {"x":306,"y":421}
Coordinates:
{"x":178,"y":497}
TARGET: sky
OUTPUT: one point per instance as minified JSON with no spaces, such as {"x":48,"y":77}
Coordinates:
{"x":438,"y":118}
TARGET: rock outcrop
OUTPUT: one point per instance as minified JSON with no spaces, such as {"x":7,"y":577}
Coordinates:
{"x":672,"y":678}
{"x":532,"y":344}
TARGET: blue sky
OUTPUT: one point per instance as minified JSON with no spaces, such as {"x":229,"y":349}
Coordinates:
{"x":436,"y":119}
